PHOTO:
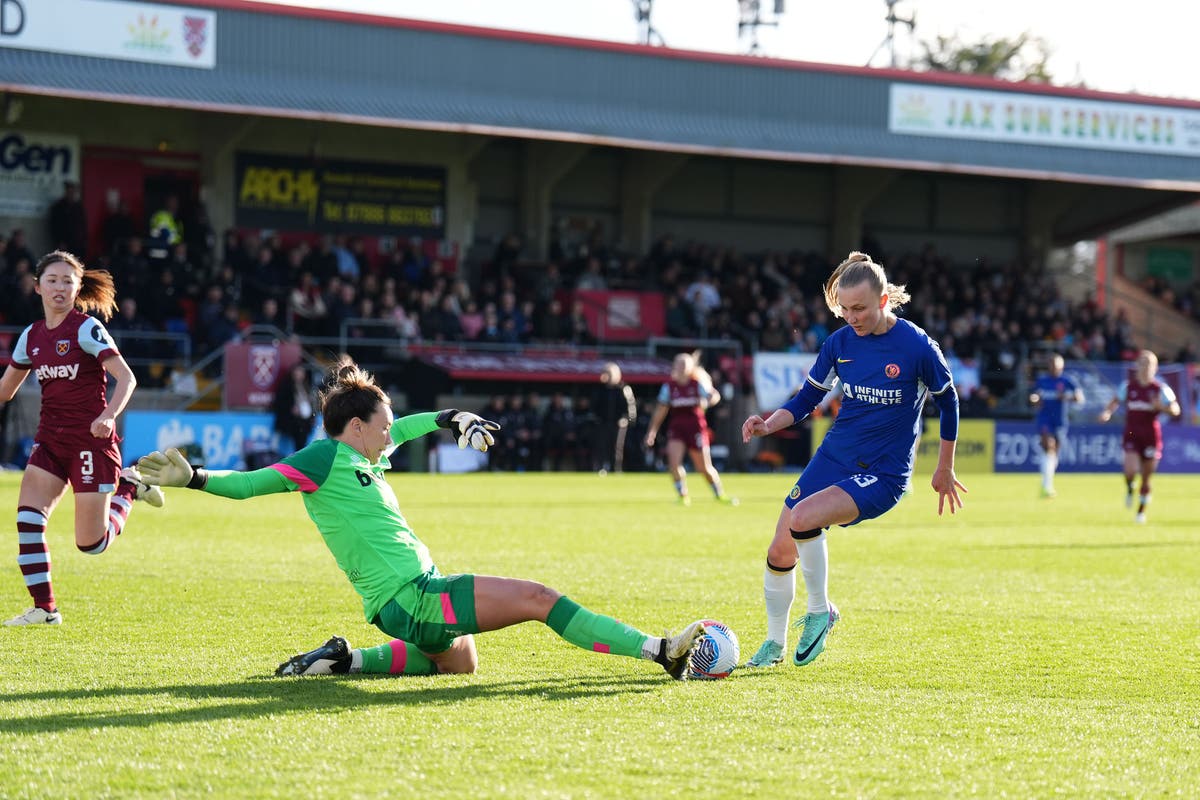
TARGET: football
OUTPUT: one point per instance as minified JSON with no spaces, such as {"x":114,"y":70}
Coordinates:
{"x":716,"y":653}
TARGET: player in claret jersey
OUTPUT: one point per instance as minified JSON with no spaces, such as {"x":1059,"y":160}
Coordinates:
{"x":71,"y":355}
{"x":682,"y":402}
{"x":1145,"y":397}
{"x":886,"y":367}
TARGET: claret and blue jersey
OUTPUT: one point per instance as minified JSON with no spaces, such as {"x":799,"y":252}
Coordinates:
{"x":884,"y":379}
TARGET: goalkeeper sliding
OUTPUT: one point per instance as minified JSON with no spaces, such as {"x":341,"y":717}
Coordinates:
{"x":431,"y":617}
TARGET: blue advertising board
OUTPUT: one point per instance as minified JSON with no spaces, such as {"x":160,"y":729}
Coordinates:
{"x":225,"y":437}
{"x":1091,"y":448}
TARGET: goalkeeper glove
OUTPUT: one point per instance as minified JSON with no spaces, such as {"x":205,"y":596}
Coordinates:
{"x":468,"y":429}
{"x":171,"y":469}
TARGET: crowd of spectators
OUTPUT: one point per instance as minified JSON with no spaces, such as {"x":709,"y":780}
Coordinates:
{"x":562,"y":431}
{"x":1185,"y":300}
{"x":207,"y":291}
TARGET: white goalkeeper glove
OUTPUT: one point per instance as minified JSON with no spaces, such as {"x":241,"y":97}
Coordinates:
{"x":171,"y":469}
{"x":468,"y":429}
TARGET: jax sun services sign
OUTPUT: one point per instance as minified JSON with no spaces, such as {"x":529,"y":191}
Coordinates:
{"x":175,"y":35}
{"x":1043,"y":120}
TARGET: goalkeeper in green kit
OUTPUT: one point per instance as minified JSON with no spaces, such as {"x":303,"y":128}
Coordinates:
{"x":430,"y":617}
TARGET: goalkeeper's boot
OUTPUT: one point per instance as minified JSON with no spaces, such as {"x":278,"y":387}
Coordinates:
{"x":331,"y":658}
{"x":35,"y":616}
{"x":675,"y":655}
{"x":768,"y":655}
{"x":812,"y":638}
{"x":142,"y":490}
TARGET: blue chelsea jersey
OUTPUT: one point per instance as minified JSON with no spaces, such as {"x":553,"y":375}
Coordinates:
{"x":1053,"y":409}
{"x":884,"y":380}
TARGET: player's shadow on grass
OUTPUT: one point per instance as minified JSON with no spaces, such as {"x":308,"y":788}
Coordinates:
{"x":259,"y":697}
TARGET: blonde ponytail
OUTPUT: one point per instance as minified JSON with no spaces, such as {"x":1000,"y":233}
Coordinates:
{"x":859,"y":268}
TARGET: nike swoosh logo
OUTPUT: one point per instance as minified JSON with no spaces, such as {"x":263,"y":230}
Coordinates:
{"x":845,"y":360}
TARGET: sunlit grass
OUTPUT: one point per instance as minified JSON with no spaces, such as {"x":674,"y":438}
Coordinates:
{"x":1023,"y":647}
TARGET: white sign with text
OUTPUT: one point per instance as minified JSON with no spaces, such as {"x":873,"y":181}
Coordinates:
{"x":1022,"y":118}
{"x":176,"y":35}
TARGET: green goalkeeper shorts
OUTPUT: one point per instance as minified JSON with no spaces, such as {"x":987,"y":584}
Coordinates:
{"x":431,"y":611}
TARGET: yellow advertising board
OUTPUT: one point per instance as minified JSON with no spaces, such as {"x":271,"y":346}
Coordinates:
{"x":974,"y":452}
{"x":291,"y":193}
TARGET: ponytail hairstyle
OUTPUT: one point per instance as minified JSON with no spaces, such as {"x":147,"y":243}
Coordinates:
{"x":859,"y":268}
{"x":348,"y":391}
{"x":689,"y":364}
{"x":96,"y":290}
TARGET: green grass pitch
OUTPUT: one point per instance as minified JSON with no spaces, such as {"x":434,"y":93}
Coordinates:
{"x":1022,"y":648}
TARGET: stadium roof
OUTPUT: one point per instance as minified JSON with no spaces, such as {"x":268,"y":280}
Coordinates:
{"x":292,"y":62}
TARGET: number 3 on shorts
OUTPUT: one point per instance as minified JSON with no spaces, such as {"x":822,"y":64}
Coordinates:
{"x":863,"y":480}
{"x":87,"y":465}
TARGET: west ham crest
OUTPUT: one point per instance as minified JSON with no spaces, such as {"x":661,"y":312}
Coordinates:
{"x":264,"y":365}
{"x":195,"y":34}
{"x":62,"y":346}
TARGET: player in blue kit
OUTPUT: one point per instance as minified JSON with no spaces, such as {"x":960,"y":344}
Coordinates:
{"x":1051,"y":395}
{"x":886,"y":366}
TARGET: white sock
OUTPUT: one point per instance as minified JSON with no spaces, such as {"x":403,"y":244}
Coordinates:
{"x":814,"y":563}
{"x":1049,"y":465}
{"x":651,"y":647}
{"x":356,"y":660}
{"x":779,"y":591}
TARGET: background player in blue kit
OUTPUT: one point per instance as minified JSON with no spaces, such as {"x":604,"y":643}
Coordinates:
{"x":886,"y":366}
{"x":1052,"y":394}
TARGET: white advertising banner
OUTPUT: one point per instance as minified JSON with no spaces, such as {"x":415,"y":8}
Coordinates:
{"x":33,"y":167}
{"x":1043,"y":120}
{"x":777,"y":376}
{"x":183,"y":37}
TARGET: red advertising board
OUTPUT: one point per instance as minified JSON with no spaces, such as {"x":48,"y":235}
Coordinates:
{"x":623,"y":316}
{"x":543,"y":367}
{"x":253,"y":370}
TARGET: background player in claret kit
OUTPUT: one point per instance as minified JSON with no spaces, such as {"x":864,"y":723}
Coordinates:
{"x":682,"y":401}
{"x":1145,"y":397}
{"x":886,"y":366}
{"x":1051,"y":395}
{"x":71,"y":354}
{"x":431,"y":617}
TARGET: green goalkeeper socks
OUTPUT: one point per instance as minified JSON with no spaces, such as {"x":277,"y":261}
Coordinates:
{"x":396,"y":658}
{"x":596,"y":632}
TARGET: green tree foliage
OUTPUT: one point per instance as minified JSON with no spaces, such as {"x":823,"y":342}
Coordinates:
{"x":1020,"y":59}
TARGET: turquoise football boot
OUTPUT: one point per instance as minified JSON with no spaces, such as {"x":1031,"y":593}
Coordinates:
{"x":816,"y":628}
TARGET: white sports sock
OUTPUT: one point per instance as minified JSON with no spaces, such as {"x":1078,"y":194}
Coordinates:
{"x":779,"y":591}
{"x":356,"y":660}
{"x":1049,"y":465}
{"x":814,"y":563}
{"x":651,"y":647}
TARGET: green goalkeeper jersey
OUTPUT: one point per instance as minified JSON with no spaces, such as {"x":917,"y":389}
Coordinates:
{"x":352,"y":505}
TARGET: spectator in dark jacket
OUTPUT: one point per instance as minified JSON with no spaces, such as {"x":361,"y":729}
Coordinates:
{"x":293,"y":408}
{"x":68,"y":222}
{"x":615,"y":409}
